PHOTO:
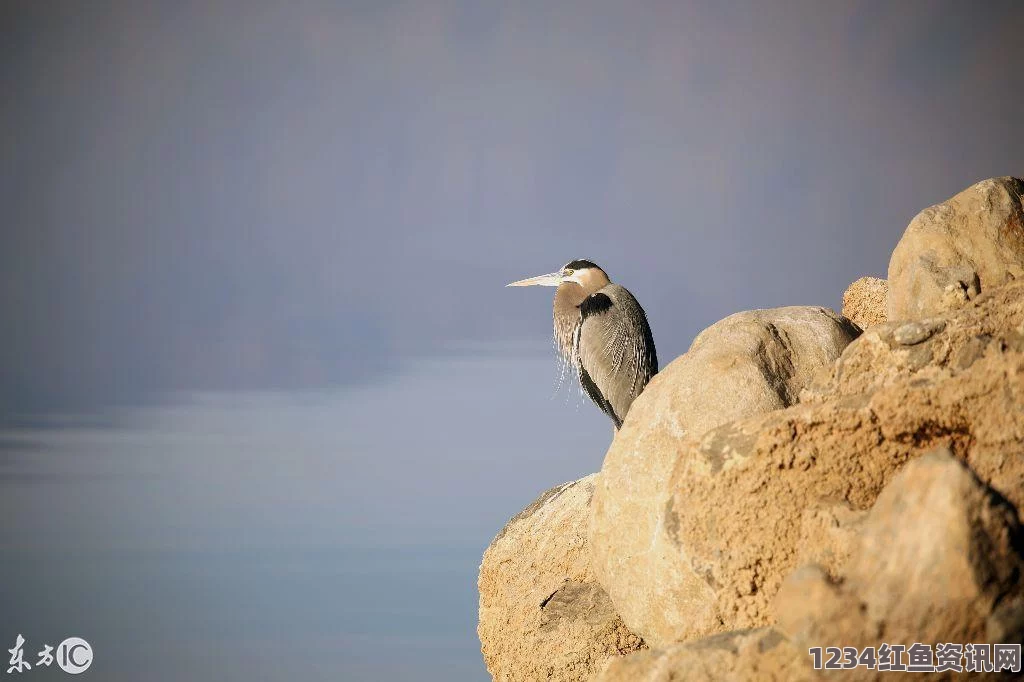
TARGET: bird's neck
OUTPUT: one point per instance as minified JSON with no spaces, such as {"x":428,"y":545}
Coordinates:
{"x":567,"y":315}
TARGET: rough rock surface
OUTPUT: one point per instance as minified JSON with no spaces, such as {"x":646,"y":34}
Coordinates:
{"x":829,"y":532}
{"x":939,"y":561}
{"x":927,"y":347}
{"x":542,"y":614}
{"x":746,"y":485}
{"x":864,"y":301}
{"x":952,"y":251}
{"x":938,"y":553}
{"x":761,"y":654}
{"x":748,"y":363}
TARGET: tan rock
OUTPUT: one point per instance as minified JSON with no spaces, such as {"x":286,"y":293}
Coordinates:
{"x":864,"y":301}
{"x":740,"y":492}
{"x":542,"y":614}
{"x":748,"y":363}
{"x":952,"y":251}
{"x":829,"y":532}
{"x":928,"y":347}
{"x":762,"y":654}
{"x":811,"y":609}
{"x":937,"y":554}
{"x":772,"y":489}
{"x":938,"y":561}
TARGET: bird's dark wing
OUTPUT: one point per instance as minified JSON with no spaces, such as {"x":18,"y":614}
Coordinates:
{"x":615,"y":350}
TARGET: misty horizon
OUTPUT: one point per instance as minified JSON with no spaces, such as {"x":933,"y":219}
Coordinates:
{"x":198,"y":198}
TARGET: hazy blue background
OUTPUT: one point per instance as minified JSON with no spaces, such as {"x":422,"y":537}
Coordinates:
{"x":264,"y":398}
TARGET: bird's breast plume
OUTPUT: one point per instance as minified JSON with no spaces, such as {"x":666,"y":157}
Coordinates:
{"x":566,"y":368}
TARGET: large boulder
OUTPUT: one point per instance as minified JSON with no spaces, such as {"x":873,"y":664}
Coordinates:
{"x":864,"y":301}
{"x":939,"y":561}
{"x":740,"y":492}
{"x":747,"y":364}
{"x":939,"y":553}
{"x":748,"y":501}
{"x":542,"y":614}
{"x":952,"y":251}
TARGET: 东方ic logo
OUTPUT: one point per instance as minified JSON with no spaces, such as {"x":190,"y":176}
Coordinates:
{"x":73,"y":656}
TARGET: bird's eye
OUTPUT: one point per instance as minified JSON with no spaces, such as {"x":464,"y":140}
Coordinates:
{"x":567,"y":272}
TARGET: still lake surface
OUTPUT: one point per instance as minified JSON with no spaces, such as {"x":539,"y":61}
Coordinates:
{"x":328,"y":535}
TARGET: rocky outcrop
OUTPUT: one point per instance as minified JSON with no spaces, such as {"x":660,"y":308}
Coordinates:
{"x":953,"y":251}
{"x":542,"y":614}
{"x":937,"y":556}
{"x":927,"y":348}
{"x":746,"y":364}
{"x":785,"y":485}
{"x":937,"y":561}
{"x":751,"y":484}
{"x":864,"y":301}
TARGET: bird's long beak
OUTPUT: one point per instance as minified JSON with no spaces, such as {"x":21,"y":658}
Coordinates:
{"x":550,"y":280}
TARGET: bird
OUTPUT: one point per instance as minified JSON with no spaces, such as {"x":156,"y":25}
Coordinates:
{"x":601,"y":331}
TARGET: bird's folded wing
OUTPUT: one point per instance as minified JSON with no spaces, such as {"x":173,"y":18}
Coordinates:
{"x":615,"y":350}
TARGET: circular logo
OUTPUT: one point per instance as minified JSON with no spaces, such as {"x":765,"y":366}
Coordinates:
{"x":74,"y":655}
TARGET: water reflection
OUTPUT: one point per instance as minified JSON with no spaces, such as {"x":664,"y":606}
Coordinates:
{"x":328,"y":535}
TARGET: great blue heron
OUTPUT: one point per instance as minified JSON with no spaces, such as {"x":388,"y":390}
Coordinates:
{"x":602,"y":331}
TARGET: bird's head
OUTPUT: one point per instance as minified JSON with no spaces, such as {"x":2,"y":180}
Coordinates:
{"x":582,"y":273}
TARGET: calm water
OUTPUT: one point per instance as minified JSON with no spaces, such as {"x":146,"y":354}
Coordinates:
{"x":331,"y":535}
